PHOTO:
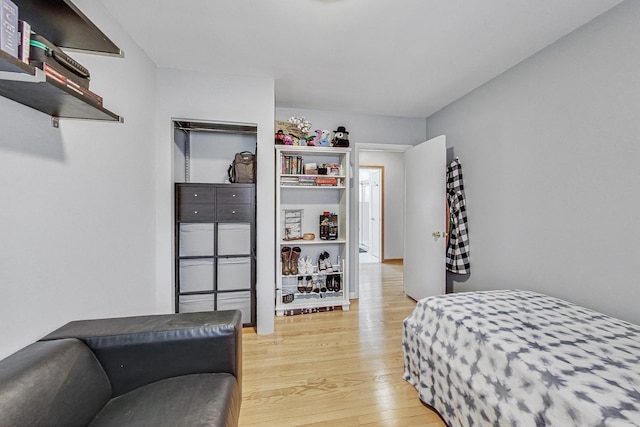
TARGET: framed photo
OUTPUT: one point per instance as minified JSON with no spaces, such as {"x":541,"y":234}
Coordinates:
{"x":292,"y":224}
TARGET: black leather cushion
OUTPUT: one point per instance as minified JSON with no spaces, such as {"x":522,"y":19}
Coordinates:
{"x":190,"y":400}
{"x":135,"y":351}
{"x":55,"y":383}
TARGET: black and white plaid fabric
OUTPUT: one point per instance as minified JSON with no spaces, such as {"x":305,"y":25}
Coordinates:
{"x":519,"y":358}
{"x":457,"y":259}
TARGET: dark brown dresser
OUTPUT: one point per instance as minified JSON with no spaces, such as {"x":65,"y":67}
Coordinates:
{"x":215,"y":248}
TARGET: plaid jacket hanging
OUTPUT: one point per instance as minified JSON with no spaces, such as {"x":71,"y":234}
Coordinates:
{"x":457,"y":260}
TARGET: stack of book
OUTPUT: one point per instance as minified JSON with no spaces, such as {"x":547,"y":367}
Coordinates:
{"x":307,"y":181}
{"x":53,"y":74}
{"x":326,"y":180}
{"x":288,"y":180}
{"x":292,"y":165}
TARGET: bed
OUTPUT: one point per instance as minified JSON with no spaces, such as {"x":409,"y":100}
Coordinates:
{"x":518,"y":358}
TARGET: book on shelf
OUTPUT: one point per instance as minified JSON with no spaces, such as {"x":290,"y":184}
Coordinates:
{"x":9,"y":27}
{"x":307,"y":180}
{"x":53,"y":74}
{"x":24,"y":37}
{"x":292,"y":165}
{"x":326,"y":180}
{"x":289,"y":181}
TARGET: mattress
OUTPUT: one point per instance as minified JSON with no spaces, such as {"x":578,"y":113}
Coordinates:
{"x":518,"y":358}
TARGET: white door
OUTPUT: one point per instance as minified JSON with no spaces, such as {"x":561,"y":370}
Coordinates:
{"x":424,"y":234}
{"x":376,"y":214}
{"x":365,"y":204}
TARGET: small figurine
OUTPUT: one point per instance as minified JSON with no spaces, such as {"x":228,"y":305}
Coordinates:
{"x":340,"y":137}
{"x":325,"y":138}
{"x":279,"y":137}
{"x":316,"y":139}
{"x":288,"y":139}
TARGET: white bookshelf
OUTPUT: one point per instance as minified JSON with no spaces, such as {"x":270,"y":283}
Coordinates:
{"x":297,"y":190}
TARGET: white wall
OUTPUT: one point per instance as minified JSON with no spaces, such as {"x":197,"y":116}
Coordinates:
{"x":362,"y":128}
{"x":78,"y":208}
{"x":550,"y":156}
{"x":393,"y":163}
{"x":206,"y":97}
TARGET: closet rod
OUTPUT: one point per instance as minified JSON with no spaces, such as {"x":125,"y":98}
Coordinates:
{"x":242,"y":132}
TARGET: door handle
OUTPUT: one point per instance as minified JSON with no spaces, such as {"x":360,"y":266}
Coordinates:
{"x":438,"y":234}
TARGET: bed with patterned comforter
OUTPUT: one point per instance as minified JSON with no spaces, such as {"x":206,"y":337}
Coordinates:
{"x":517,"y":358}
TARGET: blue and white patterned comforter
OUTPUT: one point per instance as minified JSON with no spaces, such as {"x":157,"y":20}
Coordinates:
{"x":516,"y":358}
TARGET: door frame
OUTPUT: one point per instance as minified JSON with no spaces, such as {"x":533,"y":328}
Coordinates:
{"x":354,"y":291}
{"x":381,"y":191}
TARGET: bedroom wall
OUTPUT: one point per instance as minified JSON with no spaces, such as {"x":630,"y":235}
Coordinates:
{"x":550,"y":156}
{"x":207,"y":97}
{"x":77,"y":215}
{"x":363,"y":128}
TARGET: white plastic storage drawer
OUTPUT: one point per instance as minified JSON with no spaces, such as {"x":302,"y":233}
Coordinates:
{"x":196,"y":239}
{"x":196,"y":275}
{"x":234,"y":239}
{"x":234,"y":273}
{"x":236,"y":301}
{"x":193,"y":303}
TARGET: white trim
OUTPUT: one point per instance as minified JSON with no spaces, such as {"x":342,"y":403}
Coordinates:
{"x":368,"y":146}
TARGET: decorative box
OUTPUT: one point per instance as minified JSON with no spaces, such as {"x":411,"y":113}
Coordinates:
{"x":328,"y":226}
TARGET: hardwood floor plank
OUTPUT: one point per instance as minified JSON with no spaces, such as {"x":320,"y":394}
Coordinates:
{"x":339,"y":368}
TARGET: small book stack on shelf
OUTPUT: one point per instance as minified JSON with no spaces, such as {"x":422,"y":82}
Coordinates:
{"x":292,"y":165}
{"x":53,"y":74}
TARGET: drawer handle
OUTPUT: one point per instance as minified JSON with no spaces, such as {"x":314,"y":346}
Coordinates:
{"x":195,"y":195}
{"x":195,"y":212}
{"x":233,"y":212}
{"x":233,"y":195}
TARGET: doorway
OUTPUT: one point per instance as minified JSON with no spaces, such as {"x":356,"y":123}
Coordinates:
{"x":371,"y":208}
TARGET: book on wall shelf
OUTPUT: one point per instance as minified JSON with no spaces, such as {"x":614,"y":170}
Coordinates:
{"x":9,"y":27}
{"x":55,"y":75}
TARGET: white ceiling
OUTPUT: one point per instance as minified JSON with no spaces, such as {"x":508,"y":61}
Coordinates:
{"x":400,"y":58}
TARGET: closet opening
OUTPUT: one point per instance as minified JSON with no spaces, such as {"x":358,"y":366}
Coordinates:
{"x":214,"y":218}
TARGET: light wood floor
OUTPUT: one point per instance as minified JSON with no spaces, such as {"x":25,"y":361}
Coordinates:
{"x":336,"y":368}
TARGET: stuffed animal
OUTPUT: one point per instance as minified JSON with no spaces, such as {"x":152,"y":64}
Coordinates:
{"x":340,"y":137}
{"x":279,"y":137}
{"x":325,"y":139}
{"x":316,"y":139}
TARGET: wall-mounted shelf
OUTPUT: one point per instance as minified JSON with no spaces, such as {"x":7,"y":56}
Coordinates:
{"x":64,"y":25}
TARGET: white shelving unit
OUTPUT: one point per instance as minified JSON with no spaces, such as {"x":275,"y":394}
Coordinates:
{"x":306,"y":192}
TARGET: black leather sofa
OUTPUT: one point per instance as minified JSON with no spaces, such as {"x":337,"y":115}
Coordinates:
{"x":163,"y":370}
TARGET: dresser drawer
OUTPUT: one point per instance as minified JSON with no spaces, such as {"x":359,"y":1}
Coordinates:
{"x":234,"y":212}
{"x":196,"y":212}
{"x":194,"y":194}
{"x":234,"y":195}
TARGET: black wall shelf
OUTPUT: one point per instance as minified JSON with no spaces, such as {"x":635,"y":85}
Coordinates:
{"x":63,"y":24}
